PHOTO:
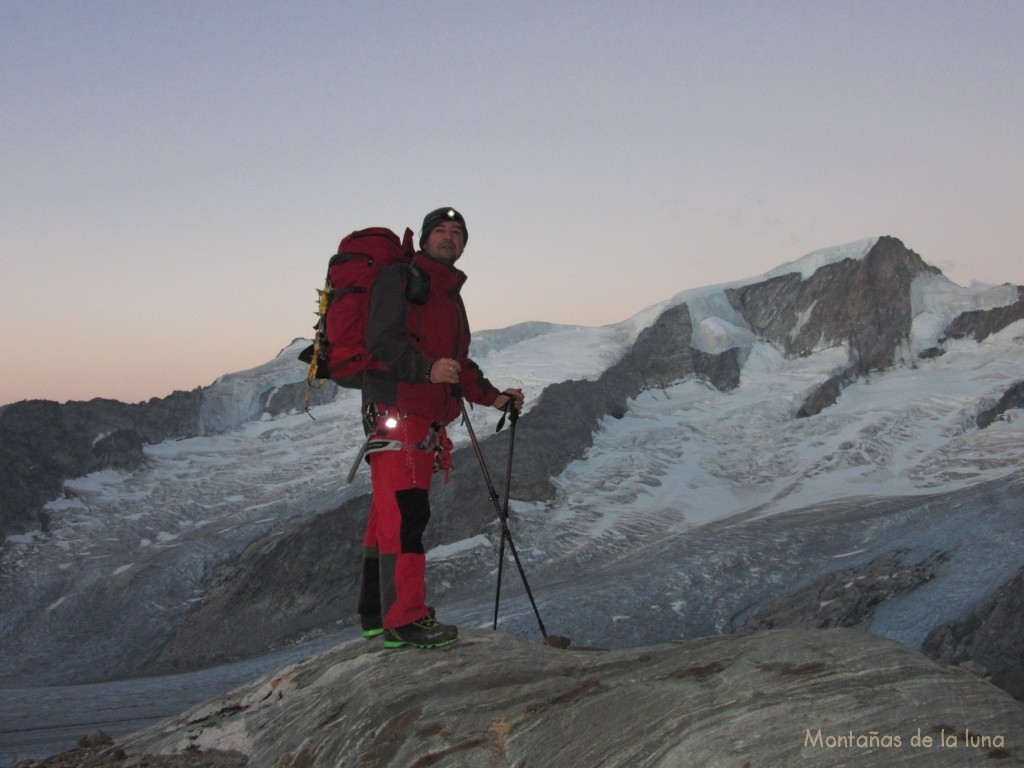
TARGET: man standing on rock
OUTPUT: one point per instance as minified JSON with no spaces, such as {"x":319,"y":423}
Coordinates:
{"x":417,"y":327}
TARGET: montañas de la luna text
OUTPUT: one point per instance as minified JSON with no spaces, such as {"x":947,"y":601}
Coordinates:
{"x":942,"y":739}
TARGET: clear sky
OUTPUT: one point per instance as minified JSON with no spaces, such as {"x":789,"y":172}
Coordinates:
{"x":174,"y":175}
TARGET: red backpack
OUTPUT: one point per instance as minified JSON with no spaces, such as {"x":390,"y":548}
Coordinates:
{"x":338,"y":351}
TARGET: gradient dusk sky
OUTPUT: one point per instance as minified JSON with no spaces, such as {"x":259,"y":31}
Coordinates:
{"x":175,"y":174}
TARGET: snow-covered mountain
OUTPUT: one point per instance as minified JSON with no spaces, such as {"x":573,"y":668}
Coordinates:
{"x":676,"y":474}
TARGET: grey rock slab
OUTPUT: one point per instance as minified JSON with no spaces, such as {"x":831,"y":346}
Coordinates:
{"x":778,"y":697}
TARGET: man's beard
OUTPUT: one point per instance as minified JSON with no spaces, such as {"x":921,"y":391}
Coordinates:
{"x":447,"y":252}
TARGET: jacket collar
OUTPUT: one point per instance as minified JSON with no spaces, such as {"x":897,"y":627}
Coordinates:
{"x":444,"y":275}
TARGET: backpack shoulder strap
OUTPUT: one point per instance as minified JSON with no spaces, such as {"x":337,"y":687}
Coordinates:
{"x":417,"y":286}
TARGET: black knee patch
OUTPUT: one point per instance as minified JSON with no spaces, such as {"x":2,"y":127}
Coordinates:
{"x":414,"y":506}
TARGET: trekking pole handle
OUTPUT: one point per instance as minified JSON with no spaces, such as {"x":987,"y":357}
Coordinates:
{"x":509,"y":409}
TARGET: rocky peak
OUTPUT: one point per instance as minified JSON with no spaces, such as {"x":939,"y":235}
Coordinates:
{"x":865,"y":303}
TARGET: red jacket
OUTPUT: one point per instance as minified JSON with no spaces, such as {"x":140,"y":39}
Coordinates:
{"x":417,"y":316}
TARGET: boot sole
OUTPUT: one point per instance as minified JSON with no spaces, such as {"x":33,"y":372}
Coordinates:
{"x":403,"y":643}
{"x":378,"y":631}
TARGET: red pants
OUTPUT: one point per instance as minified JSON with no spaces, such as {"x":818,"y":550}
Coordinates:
{"x":399,"y":515}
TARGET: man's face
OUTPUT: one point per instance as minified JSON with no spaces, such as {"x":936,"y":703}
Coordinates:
{"x":445,"y":242}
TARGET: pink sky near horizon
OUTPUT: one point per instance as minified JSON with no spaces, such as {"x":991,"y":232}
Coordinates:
{"x":175,"y":175}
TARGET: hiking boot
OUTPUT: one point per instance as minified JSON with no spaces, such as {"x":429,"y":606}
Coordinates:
{"x":373,"y":625}
{"x":428,"y":632}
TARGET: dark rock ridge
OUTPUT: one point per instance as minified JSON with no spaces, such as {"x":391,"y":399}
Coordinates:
{"x":980,"y":324}
{"x":826,"y":393}
{"x":778,"y":697}
{"x":1012,"y":398}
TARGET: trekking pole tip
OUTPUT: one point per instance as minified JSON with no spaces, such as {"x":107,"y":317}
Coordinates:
{"x":557,"y":641}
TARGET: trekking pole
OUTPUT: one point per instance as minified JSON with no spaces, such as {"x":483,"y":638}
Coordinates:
{"x":513,"y":417}
{"x":506,"y":535}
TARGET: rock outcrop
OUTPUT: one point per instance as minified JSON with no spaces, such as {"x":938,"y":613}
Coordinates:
{"x":846,"y":598}
{"x":1013,"y":398}
{"x":778,"y":697}
{"x":981,"y":323}
{"x":864,"y":303}
{"x":283,"y":588}
{"x":990,"y":641}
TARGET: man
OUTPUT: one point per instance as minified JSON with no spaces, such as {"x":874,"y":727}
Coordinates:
{"x":418,"y":329}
